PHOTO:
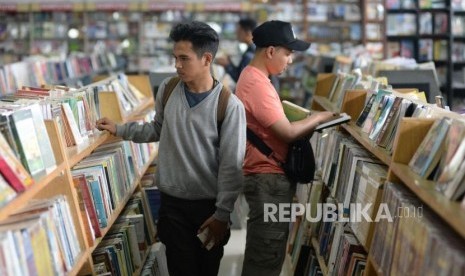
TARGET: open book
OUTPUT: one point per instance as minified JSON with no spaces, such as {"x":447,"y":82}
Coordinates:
{"x":295,"y":113}
{"x":336,"y":120}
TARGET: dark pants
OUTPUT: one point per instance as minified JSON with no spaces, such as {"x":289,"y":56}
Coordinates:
{"x":179,"y":220}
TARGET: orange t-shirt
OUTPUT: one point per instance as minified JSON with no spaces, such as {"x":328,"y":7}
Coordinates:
{"x":263,"y":108}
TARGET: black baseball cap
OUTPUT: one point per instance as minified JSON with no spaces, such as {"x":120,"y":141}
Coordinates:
{"x":278,"y":33}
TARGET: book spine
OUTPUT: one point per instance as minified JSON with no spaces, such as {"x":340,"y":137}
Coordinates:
{"x":10,"y":176}
{"x":392,"y":112}
{"x":361,"y":119}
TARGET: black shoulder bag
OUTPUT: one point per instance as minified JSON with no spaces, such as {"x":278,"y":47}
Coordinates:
{"x":300,"y":161}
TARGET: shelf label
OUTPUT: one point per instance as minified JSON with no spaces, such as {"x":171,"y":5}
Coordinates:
{"x":108,"y":6}
{"x":62,"y":6}
{"x":134,"y":6}
{"x":78,"y":7}
{"x":157,"y":6}
{"x":218,"y":6}
{"x":8,"y":7}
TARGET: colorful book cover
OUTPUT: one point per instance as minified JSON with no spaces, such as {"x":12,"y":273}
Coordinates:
{"x":27,"y":141}
{"x":94,"y":186}
{"x":428,"y":153}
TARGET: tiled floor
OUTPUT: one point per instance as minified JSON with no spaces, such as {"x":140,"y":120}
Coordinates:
{"x":231,"y":264}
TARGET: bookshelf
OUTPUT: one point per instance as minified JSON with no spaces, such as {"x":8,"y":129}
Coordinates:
{"x":409,"y":135}
{"x":135,"y":31}
{"x":424,"y":31}
{"x":59,"y":181}
{"x":374,"y":28}
{"x":458,"y":47}
{"x":334,"y":22}
{"x":321,"y":261}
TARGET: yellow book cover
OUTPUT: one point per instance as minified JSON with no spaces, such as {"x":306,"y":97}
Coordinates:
{"x":42,"y":257}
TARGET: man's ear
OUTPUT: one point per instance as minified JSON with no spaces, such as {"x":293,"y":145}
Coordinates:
{"x":269,"y":51}
{"x":208,"y":58}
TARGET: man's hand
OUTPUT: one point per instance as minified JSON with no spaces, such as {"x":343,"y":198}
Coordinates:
{"x":106,"y":124}
{"x":325,"y":116}
{"x":218,"y":230}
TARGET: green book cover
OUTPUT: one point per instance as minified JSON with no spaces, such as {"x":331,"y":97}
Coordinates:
{"x":294,"y":112}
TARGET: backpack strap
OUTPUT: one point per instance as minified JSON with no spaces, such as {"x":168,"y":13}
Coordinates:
{"x":169,"y":87}
{"x":223,"y":99}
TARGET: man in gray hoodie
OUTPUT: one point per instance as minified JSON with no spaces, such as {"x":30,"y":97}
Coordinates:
{"x":200,"y":160}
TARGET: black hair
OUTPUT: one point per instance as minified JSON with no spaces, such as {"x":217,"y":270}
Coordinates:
{"x":203,"y":38}
{"x":247,"y":24}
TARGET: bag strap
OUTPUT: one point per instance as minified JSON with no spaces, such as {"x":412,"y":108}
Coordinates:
{"x":258,"y":143}
{"x":223,"y":99}
{"x":169,"y":89}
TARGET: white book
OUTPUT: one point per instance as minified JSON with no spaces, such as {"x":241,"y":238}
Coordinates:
{"x":69,"y":117}
{"x":42,"y":136}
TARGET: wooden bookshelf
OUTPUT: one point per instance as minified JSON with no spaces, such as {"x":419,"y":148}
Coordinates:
{"x":324,"y":103}
{"x":78,"y":152}
{"x":116,"y":213}
{"x":321,"y":261}
{"x":409,"y":135}
{"x":81,"y":260}
{"x":448,"y":210}
{"x":30,"y":192}
{"x":363,"y":139}
{"x":59,"y":181}
{"x":144,"y":258}
{"x":372,"y":268}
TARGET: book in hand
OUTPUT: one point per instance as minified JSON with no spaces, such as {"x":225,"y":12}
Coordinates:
{"x":203,"y":238}
{"x":335,"y":121}
{"x":294,"y":112}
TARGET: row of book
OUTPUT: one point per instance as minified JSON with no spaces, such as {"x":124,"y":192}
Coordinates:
{"x":25,"y":139}
{"x":308,"y":262}
{"x":150,"y":190}
{"x":384,"y":110}
{"x":436,"y":23}
{"x":440,"y":157}
{"x":428,"y":49}
{"x":333,"y":11}
{"x":416,"y":242}
{"x":405,"y":244}
{"x":352,"y":32}
{"x":39,"y":239}
{"x":343,"y":81}
{"x":41,"y":71}
{"x":156,"y":263}
{"x":105,"y":177}
{"x":355,"y":176}
{"x":352,"y":176}
{"x":25,"y":144}
{"x":401,"y":24}
{"x":410,"y":4}
{"x":124,"y":248}
{"x":323,"y":247}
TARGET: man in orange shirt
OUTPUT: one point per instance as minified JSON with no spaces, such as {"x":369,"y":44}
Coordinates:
{"x":265,"y":181}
